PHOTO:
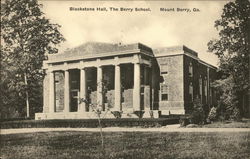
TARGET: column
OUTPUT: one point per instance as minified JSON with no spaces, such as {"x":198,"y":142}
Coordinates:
{"x":99,"y":87}
{"x":137,"y":87}
{"x":147,"y":88}
{"x":83,"y":90}
{"x":51,"y":92}
{"x":117,"y":88}
{"x":151,"y":89}
{"x":66,"y":91}
{"x":208,"y":88}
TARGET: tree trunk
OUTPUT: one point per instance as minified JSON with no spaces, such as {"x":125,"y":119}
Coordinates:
{"x":27,"y":96}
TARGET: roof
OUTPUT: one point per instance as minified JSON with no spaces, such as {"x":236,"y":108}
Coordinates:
{"x":174,"y":50}
{"x":179,"y":50}
{"x":98,"y":49}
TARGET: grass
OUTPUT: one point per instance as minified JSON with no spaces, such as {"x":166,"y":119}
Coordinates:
{"x":245,"y":123}
{"x":127,"y":145}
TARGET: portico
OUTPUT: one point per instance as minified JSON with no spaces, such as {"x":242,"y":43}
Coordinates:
{"x":102,"y":80}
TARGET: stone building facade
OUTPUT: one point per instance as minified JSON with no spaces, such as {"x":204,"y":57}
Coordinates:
{"x":128,"y":79}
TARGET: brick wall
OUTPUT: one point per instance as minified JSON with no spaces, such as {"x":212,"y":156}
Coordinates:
{"x":171,"y":79}
{"x":200,"y":74}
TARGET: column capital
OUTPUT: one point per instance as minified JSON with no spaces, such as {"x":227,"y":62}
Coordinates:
{"x":81,"y":65}
{"x":50,"y":71}
{"x":136,"y":62}
{"x":136,"y":59}
{"x":65,"y":69}
{"x":82,"y":68}
{"x":116,"y":63}
{"x":99,"y":66}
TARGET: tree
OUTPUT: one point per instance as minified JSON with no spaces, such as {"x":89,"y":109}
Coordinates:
{"x":26,"y":38}
{"x":228,"y":102}
{"x":99,"y":110}
{"x":232,"y":48}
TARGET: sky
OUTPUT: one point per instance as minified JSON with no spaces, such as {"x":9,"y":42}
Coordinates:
{"x":154,"y":29}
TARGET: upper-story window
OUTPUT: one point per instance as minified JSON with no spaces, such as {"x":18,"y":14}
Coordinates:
{"x":190,"y":69}
{"x":164,"y":72}
{"x":164,"y":68}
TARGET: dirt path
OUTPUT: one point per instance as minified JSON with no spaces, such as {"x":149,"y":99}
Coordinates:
{"x":172,"y":128}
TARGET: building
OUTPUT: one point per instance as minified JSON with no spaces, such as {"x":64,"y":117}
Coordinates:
{"x":130,"y":79}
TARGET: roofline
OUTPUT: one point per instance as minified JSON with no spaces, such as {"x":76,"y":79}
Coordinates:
{"x":184,"y":48}
{"x":207,"y":64}
{"x":106,"y":54}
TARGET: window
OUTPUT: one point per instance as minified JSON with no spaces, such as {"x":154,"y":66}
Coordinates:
{"x":57,"y":102}
{"x":210,"y":94}
{"x":164,"y":92}
{"x":200,"y":86}
{"x":164,"y":97}
{"x":190,"y":69}
{"x":56,"y":78}
{"x":191,"y":91}
{"x":164,"y":72}
{"x":205,"y":86}
{"x":145,"y":74}
{"x":122,"y":97}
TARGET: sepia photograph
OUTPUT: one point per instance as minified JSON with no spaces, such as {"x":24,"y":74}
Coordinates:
{"x":136,"y":79}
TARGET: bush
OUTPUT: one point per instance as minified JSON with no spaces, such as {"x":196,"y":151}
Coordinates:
{"x":212,"y":116}
{"x":235,"y":115}
{"x":139,"y":113}
{"x":197,"y":114}
{"x":184,"y":121}
{"x":117,"y":114}
{"x":88,"y":123}
{"x":228,"y":108}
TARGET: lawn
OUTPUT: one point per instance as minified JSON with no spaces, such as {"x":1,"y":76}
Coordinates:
{"x":245,"y":123}
{"x":127,"y":145}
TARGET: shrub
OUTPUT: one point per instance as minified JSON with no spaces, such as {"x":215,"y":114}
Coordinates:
{"x":235,"y":115}
{"x":139,"y":113}
{"x":229,"y":99}
{"x":184,"y":121}
{"x":117,"y":114}
{"x":212,"y":114}
{"x":197,"y":114}
{"x":88,"y":123}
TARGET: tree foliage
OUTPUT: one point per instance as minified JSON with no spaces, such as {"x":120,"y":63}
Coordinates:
{"x":232,"y":49}
{"x":228,"y":102}
{"x":27,"y":36}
